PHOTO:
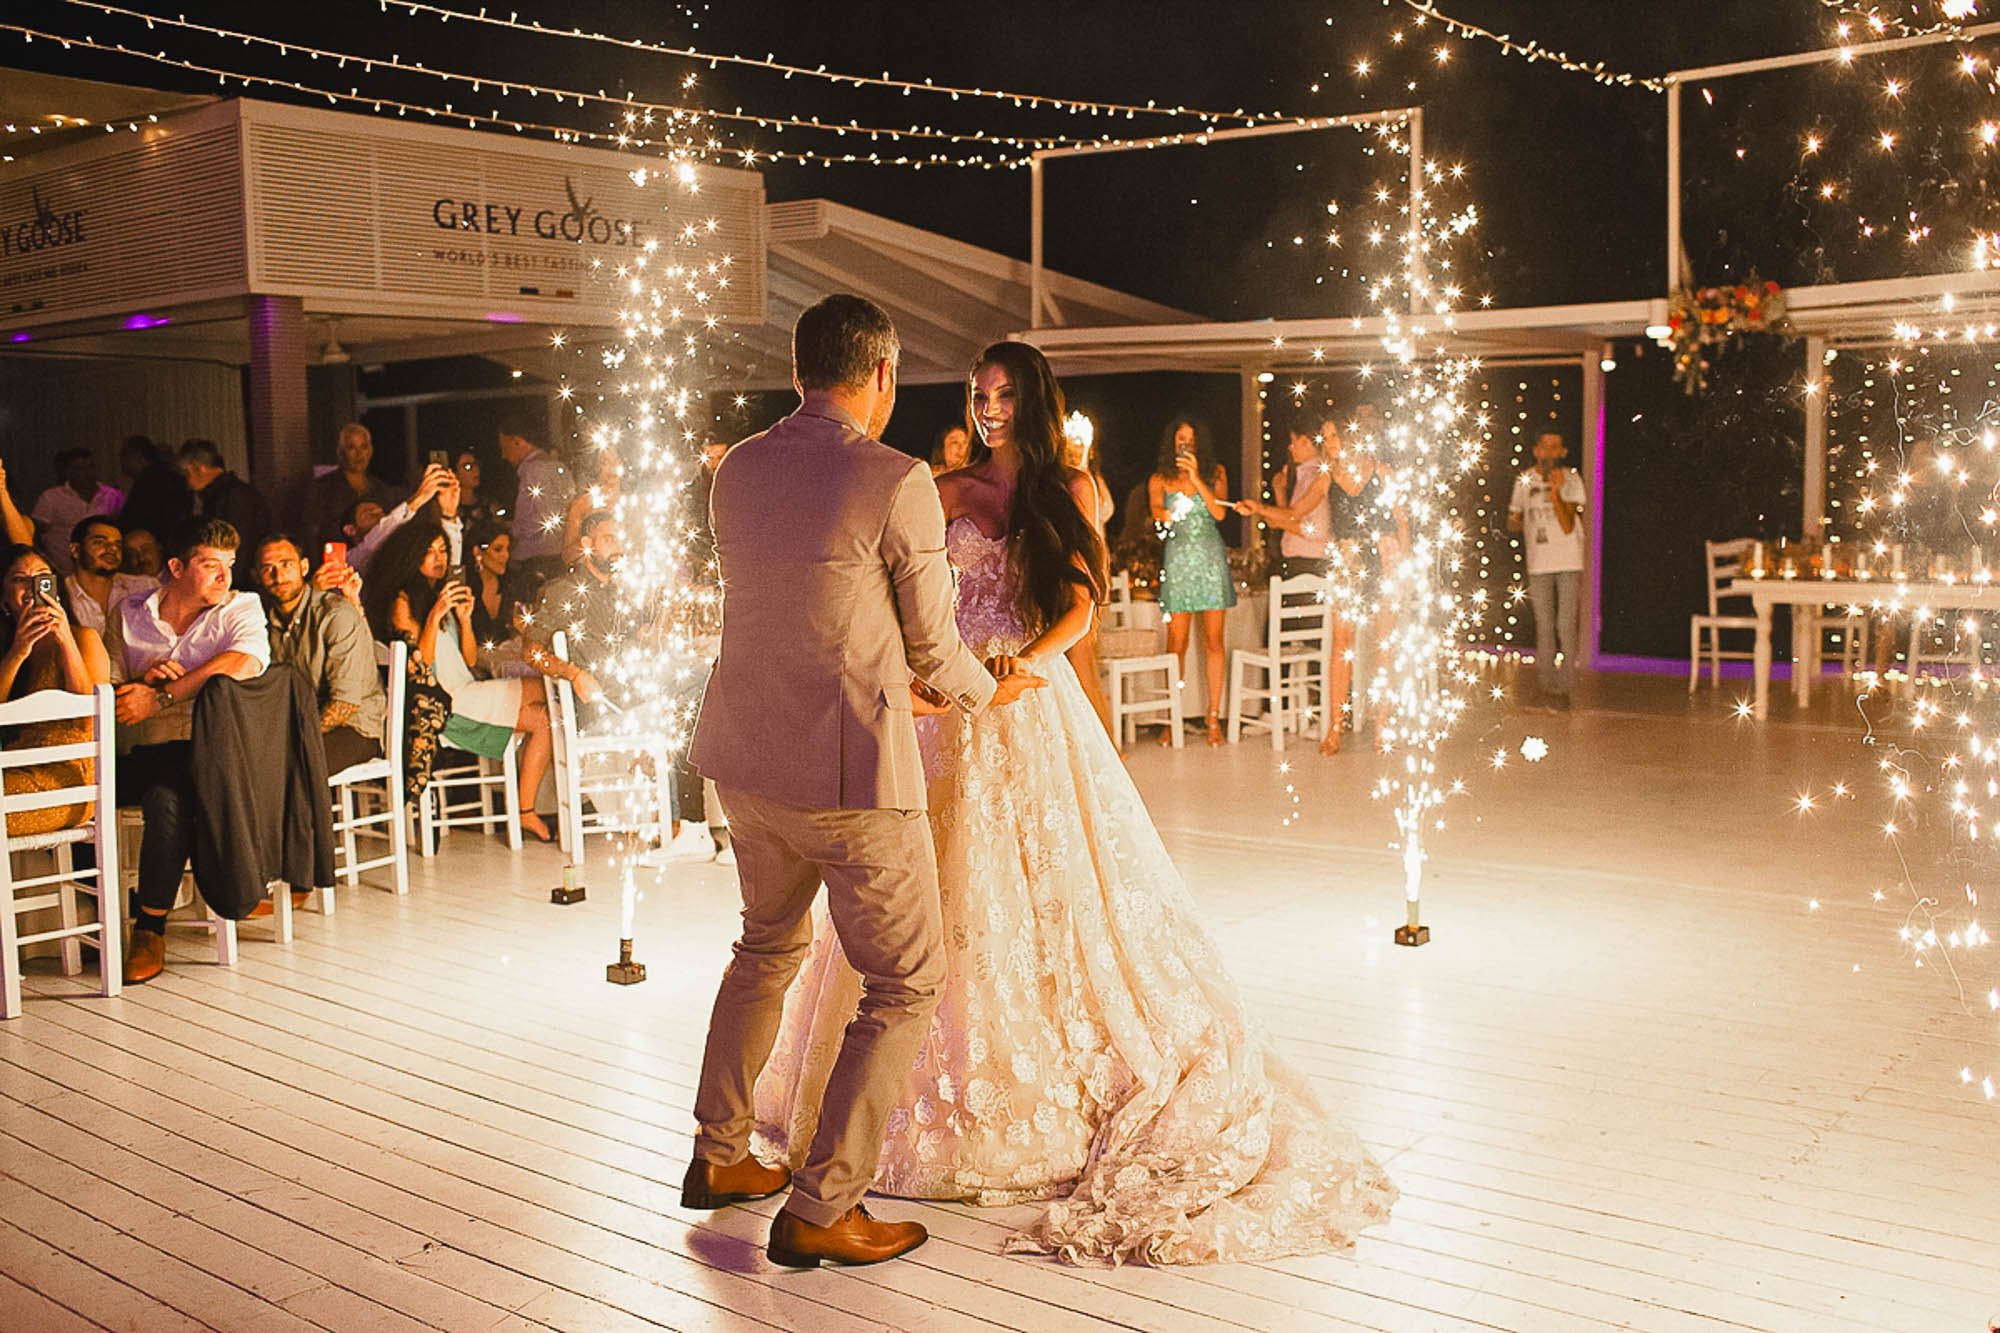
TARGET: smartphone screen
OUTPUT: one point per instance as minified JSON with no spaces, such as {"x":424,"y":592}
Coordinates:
{"x":333,"y":553}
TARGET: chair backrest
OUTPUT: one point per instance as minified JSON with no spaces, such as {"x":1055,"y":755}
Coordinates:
{"x":1724,"y":561}
{"x":100,"y":747}
{"x":1118,"y":609}
{"x":1301,"y":614}
{"x":561,"y":697}
{"x":398,"y":665}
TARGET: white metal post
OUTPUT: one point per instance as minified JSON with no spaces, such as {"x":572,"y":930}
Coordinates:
{"x":1035,"y":242}
{"x":1417,"y":267}
{"x":1812,"y":495}
{"x":1590,"y":462}
{"x":1673,"y":187}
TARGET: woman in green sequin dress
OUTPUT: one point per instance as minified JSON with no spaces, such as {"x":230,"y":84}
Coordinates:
{"x":1189,"y":496}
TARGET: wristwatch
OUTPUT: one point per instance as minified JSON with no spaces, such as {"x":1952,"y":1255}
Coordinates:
{"x":166,"y":700}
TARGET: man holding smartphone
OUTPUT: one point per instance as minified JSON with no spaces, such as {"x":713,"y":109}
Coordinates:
{"x":1546,"y":509}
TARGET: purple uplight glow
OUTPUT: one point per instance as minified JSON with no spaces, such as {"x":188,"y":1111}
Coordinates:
{"x":502,"y":317}
{"x":21,"y":337}
{"x":145,"y":321}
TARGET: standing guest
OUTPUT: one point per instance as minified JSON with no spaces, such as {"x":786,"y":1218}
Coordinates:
{"x":97,"y":553}
{"x":435,"y":501}
{"x":1302,"y":508}
{"x":474,"y":505}
{"x":601,"y":495}
{"x":164,"y":647}
{"x":1188,"y":497}
{"x":1304,"y":514}
{"x":1080,"y":455}
{"x":409,"y":597}
{"x":156,"y":494}
{"x":221,"y":494}
{"x":330,"y":496}
{"x":42,"y":648}
{"x":1547,"y":510}
{"x":318,"y":628}
{"x":77,"y":496}
{"x":142,"y":555}
{"x":538,"y":505}
{"x":951,"y":451}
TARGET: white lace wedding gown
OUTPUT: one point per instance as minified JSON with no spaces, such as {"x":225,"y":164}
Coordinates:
{"x":1089,"y":1048}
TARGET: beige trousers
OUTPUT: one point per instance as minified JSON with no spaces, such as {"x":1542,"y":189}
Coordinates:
{"x":880,"y":872}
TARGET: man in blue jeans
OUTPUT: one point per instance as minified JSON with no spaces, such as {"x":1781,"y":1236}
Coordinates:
{"x":1546,"y":509}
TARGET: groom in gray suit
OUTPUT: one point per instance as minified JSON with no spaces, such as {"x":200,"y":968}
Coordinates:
{"x":836,"y":595}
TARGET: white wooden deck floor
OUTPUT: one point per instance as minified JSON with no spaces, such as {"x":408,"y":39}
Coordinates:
{"x":1632,"y":1083}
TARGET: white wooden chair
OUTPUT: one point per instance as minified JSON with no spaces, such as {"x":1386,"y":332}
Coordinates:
{"x":378,"y":784}
{"x":1951,"y":639}
{"x":1117,"y":611}
{"x":1721,"y":561}
{"x":491,"y":797}
{"x":607,"y":773}
{"x":64,"y":887}
{"x":1129,"y":687}
{"x":1291,"y":670}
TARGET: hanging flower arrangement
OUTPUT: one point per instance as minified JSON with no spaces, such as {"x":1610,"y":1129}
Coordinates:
{"x":1703,"y":322}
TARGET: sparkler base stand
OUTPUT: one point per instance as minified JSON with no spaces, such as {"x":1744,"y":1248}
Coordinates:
{"x":569,"y":891}
{"x":1413,"y":935}
{"x":625,"y":972}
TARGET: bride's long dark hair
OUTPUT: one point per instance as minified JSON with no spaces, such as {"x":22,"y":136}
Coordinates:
{"x":1053,"y":545}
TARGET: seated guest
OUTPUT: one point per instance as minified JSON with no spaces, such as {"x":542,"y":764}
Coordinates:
{"x":435,"y":500}
{"x":142,"y":554}
{"x":408,"y":597}
{"x":603,"y":494}
{"x":330,"y":496}
{"x":583,"y":605}
{"x":540,"y":495}
{"x":220,"y":493}
{"x":597,"y":625}
{"x":164,"y":647}
{"x":77,"y":496}
{"x":156,"y":494}
{"x":42,"y":648}
{"x":321,"y":631}
{"x":97,"y":550}
{"x":496,"y":605}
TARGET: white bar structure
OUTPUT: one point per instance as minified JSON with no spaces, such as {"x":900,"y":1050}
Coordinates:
{"x":1812,"y":491}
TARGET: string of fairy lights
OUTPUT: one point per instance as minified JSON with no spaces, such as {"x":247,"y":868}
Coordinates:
{"x":1529,"y":49}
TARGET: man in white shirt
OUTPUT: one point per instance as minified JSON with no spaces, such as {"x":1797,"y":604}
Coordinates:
{"x":97,"y":547}
{"x":59,"y":508}
{"x":1546,"y":509}
{"x":439,"y":483}
{"x":164,"y":647}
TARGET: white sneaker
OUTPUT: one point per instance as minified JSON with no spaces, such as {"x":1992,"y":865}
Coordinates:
{"x":692,"y":843}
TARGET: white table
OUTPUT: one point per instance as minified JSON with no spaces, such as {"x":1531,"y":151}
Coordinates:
{"x":1807,"y":597}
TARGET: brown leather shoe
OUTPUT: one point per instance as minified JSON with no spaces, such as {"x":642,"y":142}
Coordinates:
{"x":709,"y":1186}
{"x":856,"y":1238}
{"x":144,"y":956}
{"x":269,"y":906}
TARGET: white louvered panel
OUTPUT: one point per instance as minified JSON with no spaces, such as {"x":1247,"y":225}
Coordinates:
{"x":144,"y":221}
{"x":312,"y":216}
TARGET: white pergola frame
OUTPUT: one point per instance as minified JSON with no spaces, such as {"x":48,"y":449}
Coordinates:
{"x":1826,"y":320}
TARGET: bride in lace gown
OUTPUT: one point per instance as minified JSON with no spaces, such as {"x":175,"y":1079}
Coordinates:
{"x":1089,"y":1049}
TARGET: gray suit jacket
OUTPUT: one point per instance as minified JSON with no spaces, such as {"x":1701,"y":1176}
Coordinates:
{"x":835,"y":593}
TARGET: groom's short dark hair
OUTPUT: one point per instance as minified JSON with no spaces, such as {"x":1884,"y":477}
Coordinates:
{"x":839,"y":342}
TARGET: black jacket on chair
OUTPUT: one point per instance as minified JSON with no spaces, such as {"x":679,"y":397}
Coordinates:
{"x":262,"y":808}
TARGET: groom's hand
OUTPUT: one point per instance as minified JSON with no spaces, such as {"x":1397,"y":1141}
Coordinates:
{"x":1011,"y":679}
{"x":927,"y":702}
